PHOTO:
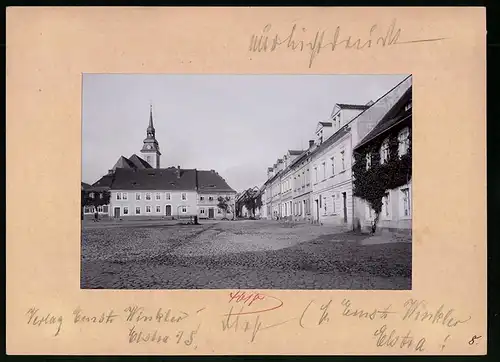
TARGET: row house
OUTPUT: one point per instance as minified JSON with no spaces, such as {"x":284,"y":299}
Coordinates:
{"x":287,"y":183}
{"x":388,"y":144}
{"x":317,"y":185}
{"x":302,"y":186}
{"x":330,"y":164}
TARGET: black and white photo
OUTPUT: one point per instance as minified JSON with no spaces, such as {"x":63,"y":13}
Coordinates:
{"x":246,"y":182}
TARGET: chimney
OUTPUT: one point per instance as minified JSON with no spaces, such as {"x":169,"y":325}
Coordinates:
{"x":110,"y":172}
{"x":311,"y":143}
{"x":178,"y":171}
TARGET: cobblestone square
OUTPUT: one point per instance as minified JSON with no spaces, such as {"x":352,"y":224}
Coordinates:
{"x":240,"y":255}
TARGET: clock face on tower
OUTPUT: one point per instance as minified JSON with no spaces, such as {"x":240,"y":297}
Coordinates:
{"x":148,"y":147}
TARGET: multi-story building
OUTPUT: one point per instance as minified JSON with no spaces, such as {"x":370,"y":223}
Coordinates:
{"x":331,"y":195}
{"x":302,"y":186}
{"x":141,"y":191}
{"x":321,"y":177}
{"x":211,"y":186}
{"x":287,"y":183}
{"x":387,"y":150}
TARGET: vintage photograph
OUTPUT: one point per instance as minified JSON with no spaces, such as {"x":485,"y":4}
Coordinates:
{"x":246,"y":182}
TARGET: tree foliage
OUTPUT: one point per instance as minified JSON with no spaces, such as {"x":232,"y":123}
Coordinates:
{"x":372,"y":184}
{"x":95,"y":198}
{"x":224,"y":204}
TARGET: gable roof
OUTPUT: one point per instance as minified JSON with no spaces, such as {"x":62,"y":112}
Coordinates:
{"x":394,"y":116}
{"x":139,"y":162}
{"x":211,"y":181}
{"x":353,"y":106}
{"x":103,"y":183}
{"x":322,"y":124}
{"x":85,"y":186}
{"x":123,"y":162}
{"x":154,"y":179}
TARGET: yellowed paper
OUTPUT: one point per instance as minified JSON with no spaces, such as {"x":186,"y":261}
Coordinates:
{"x":48,"y":49}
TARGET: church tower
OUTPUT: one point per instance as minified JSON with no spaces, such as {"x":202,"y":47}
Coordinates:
{"x":150,"y":149}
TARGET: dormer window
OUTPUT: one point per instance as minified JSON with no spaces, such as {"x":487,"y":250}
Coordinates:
{"x":368,"y":160}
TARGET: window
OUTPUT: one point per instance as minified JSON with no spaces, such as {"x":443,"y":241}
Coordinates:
{"x":91,"y":195}
{"x":202,"y":198}
{"x":324,"y":170}
{"x":148,"y":196}
{"x":158,"y":196}
{"x":125,"y":196}
{"x":184,"y":209}
{"x":333,"y":204}
{"x":369,"y":214}
{"x":137,"y":196}
{"x":125,"y":210}
{"x":368,"y":160}
{"x":406,"y":201}
{"x":148,"y":209}
{"x":219,"y":211}
{"x":184,"y":196}
{"x":158,"y":209}
{"x":384,"y":152}
{"x":320,"y":204}
{"x":137,"y":210}
{"x":324,"y":204}
{"x":202,"y":211}
{"x":333,"y":165}
{"x":403,"y":141}
{"x":167,"y":196}
{"x":210,"y":198}
{"x":99,"y":208}
{"x":88,"y":209}
{"x":342,"y":159}
{"x":105,"y":209}
{"x":386,"y":206}
{"x":118,"y":195}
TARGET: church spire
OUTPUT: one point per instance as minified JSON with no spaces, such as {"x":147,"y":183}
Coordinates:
{"x":151,"y":149}
{"x":151,"y":116}
{"x":151,"y":130}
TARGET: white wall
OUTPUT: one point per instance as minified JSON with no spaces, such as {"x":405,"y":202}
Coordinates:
{"x":175,"y":201}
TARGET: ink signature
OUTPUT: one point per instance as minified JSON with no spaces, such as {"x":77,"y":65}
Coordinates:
{"x":265,"y":41}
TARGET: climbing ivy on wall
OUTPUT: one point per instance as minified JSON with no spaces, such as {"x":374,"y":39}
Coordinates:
{"x":373,"y":183}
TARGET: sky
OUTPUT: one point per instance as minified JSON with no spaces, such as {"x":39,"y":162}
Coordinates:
{"x":237,"y":125}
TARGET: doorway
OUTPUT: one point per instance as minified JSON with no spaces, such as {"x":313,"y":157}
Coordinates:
{"x":117,"y":212}
{"x":168,"y":210}
{"x":344,"y":199}
{"x":211,"y":213}
{"x":317,"y":210}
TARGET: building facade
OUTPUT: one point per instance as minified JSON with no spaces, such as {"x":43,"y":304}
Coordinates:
{"x":386,"y":151}
{"x":330,"y":164}
{"x":321,"y":177}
